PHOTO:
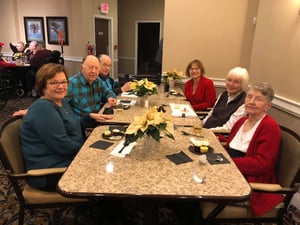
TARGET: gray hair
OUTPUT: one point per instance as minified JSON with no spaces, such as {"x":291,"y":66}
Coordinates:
{"x":241,"y":73}
{"x":264,"y":88}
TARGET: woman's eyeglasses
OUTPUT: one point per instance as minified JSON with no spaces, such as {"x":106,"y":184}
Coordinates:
{"x":191,"y":69}
{"x":56,"y":83}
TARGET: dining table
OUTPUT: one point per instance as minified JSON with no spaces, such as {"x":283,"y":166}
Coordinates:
{"x":172,"y":171}
{"x":133,"y":106}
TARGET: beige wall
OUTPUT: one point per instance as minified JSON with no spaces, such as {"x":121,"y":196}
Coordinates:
{"x":212,"y":31}
{"x":276,"y":50}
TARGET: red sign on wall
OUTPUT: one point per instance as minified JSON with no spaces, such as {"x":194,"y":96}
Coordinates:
{"x":104,"y":7}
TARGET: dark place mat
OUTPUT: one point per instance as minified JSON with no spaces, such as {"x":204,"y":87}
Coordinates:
{"x":211,"y":158}
{"x":101,"y":145}
{"x":179,"y":158}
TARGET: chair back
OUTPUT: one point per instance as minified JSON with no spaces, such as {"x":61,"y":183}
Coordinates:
{"x":288,"y":163}
{"x":10,"y":147}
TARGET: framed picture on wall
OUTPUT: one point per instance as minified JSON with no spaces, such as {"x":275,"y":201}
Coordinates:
{"x":57,"y":30}
{"x":34,"y":29}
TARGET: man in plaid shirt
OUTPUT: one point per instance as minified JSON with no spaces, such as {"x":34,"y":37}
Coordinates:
{"x":86,"y":91}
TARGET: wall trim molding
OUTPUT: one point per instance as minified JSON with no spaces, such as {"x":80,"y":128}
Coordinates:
{"x":279,"y":102}
{"x":73,"y":59}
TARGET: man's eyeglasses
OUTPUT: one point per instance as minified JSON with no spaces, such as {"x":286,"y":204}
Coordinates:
{"x":56,"y":83}
{"x":105,"y":65}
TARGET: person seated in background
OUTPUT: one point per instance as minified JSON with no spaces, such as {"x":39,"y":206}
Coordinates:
{"x":229,"y":106}
{"x":51,"y":133}
{"x":199,"y":90}
{"x":254,"y":143}
{"x":39,"y":57}
{"x":105,"y":65}
{"x":31,"y":50}
{"x":19,"y":46}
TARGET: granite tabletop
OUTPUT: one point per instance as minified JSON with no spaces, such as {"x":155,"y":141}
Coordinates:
{"x":95,"y":172}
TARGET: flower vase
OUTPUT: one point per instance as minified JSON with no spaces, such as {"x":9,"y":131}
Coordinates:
{"x":150,"y":145}
{"x":171,"y":84}
{"x":143,"y":101}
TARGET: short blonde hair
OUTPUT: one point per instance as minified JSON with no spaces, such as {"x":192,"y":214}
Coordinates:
{"x":241,"y":73}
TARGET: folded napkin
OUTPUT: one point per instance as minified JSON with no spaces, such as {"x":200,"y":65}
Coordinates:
{"x":179,"y":109}
{"x":128,"y":94}
{"x":216,"y":158}
{"x":125,"y":151}
{"x":126,"y":102}
{"x":179,"y":158}
{"x":101,"y":145}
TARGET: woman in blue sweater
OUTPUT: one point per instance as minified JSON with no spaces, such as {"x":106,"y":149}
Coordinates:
{"x":51,"y":135}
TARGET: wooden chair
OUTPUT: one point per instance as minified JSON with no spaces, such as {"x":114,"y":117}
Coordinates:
{"x":288,"y":175}
{"x":11,"y":157}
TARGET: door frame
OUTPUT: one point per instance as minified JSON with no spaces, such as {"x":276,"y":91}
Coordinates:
{"x":136,"y":39}
{"x":110,"y":38}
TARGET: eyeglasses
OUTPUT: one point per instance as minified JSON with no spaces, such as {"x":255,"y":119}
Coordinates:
{"x":191,"y":69}
{"x":56,"y":83}
{"x":105,"y":65}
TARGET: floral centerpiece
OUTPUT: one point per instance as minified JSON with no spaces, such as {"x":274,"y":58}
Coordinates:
{"x":143,"y":87}
{"x":18,"y":55}
{"x":151,"y":123}
{"x":173,"y":74}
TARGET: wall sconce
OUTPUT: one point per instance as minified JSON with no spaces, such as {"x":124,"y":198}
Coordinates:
{"x":103,"y":7}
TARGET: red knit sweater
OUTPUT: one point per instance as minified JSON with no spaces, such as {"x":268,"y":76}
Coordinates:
{"x":259,"y":161}
{"x":204,"y":96}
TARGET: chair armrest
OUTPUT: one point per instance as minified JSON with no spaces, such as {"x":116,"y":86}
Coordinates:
{"x":47,"y":171}
{"x":265,"y":187}
{"x":220,"y":131}
{"x":200,"y":113}
{"x":36,"y":173}
{"x":203,"y":112}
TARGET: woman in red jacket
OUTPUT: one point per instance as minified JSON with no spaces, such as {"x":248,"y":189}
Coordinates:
{"x":199,"y":90}
{"x":254,"y":143}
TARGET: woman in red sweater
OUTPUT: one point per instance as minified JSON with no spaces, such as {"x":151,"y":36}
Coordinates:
{"x":199,"y":90}
{"x":254,"y":143}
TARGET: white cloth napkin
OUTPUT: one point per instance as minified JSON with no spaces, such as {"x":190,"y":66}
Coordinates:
{"x":125,"y":151}
{"x":179,"y":109}
{"x":128,"y":95}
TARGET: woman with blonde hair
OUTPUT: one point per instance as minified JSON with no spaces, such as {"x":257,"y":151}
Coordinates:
{"x":229,"y":106}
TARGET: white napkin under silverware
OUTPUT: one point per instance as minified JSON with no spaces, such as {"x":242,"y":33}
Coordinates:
{"x":179,"y":109}
{"x":125,"y":151}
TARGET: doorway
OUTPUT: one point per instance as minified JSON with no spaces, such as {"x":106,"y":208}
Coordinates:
{"x":148,"y":39}
{"x":103,"y":38}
